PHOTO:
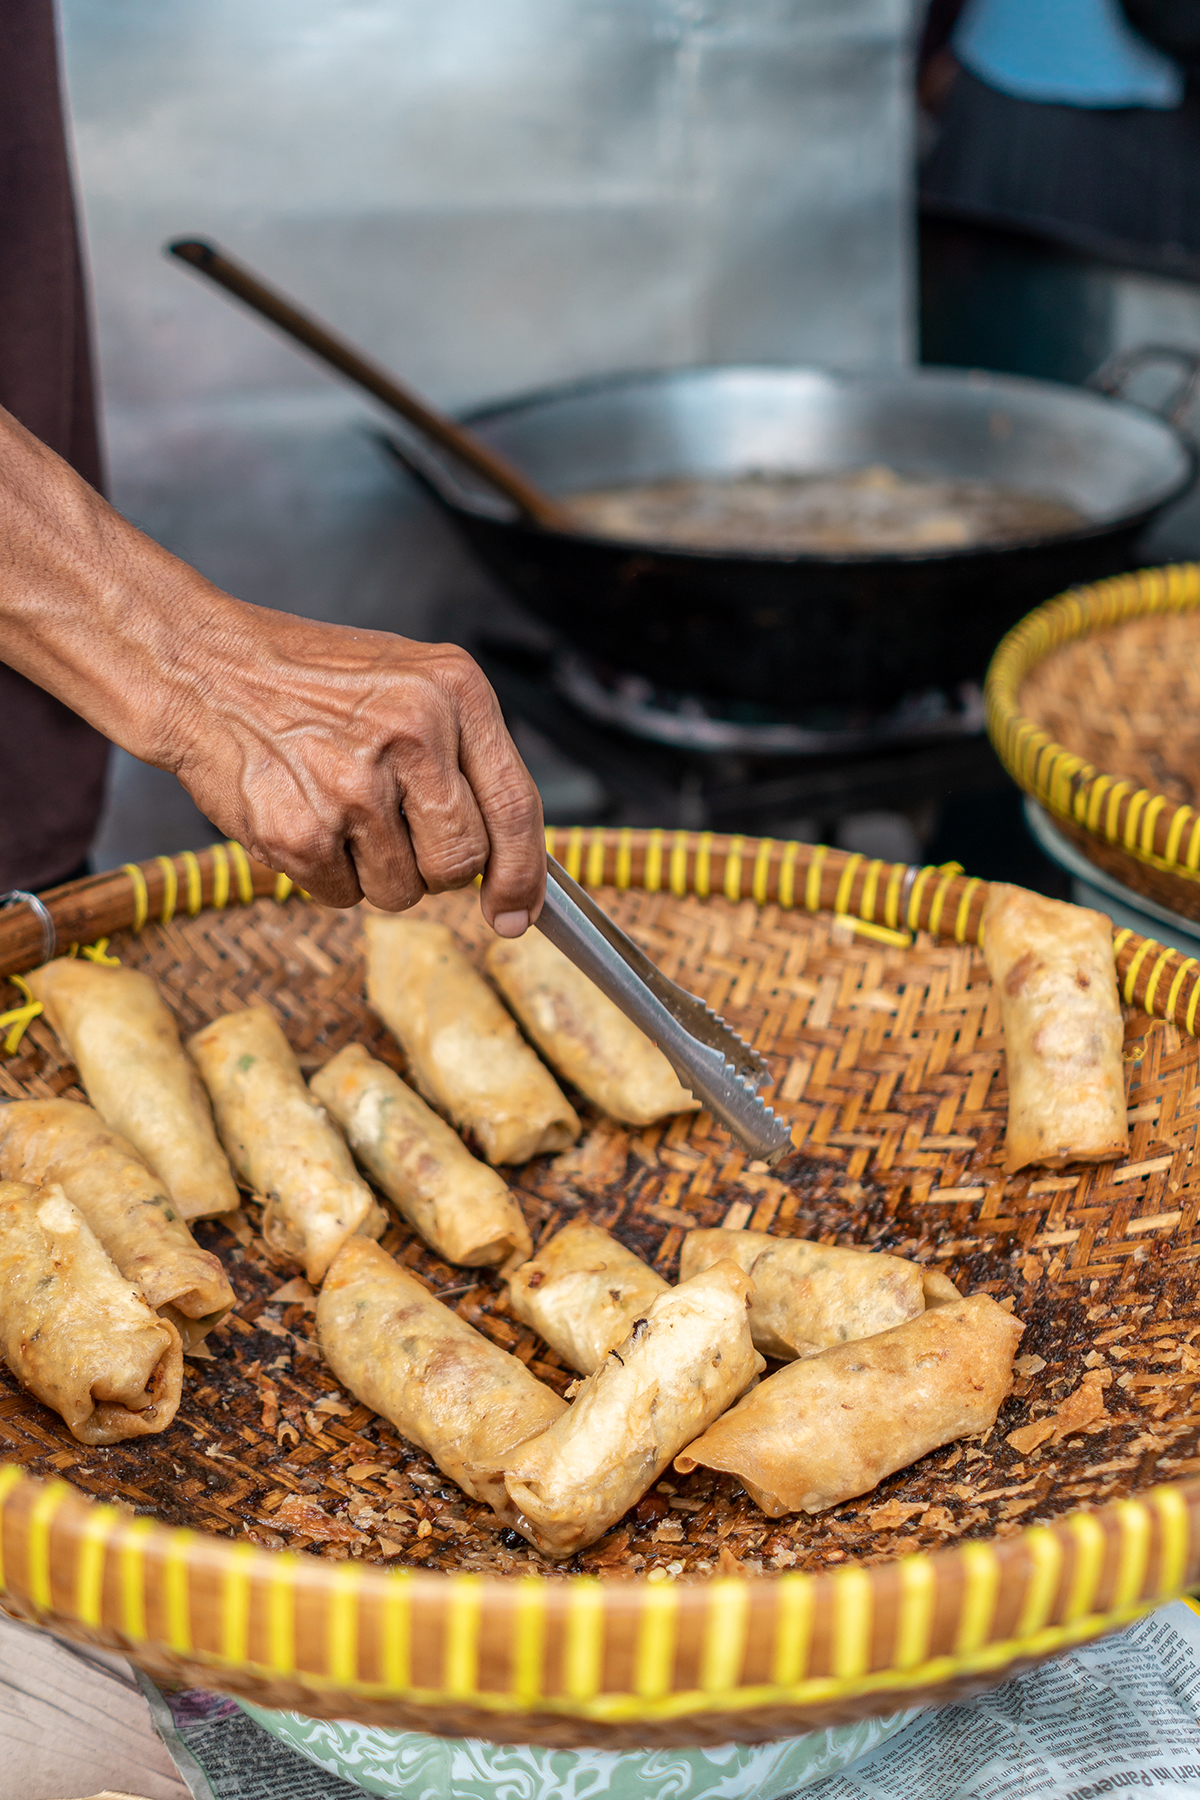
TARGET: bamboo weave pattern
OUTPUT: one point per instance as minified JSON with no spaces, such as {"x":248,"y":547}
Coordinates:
{"x":887,"y":1062}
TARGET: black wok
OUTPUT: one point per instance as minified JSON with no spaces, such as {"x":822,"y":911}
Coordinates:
{"x":788,"y":628}
{"x":800,"y":629}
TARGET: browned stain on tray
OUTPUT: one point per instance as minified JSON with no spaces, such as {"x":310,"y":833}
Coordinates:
{"x":890,"y":1063}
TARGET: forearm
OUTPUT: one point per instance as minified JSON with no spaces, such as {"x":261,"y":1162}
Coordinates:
{"x":94,"y":611}
{"x":354,"y":761}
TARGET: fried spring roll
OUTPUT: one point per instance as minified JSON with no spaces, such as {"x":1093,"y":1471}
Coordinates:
{"x":280,"y":1141}
{"x":444,"y":1386}
{"x":823,"y":1430}
{"x":463,"y":1209}
{"x":586,"y":1037}
{"x":102,"y":1176}
{"x":938,"y":1289}
{"x":1053,"y":968}
{"x":678,"y":1369}
{"x":582,"y":1292}
{"x":73,"y":1330}
{"x":809,"y":1296}
{"x":121,"y":1036}
{"x":466,"y":1054}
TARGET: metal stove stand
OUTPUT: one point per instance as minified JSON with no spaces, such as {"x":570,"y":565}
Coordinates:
{"x":694,"y":786}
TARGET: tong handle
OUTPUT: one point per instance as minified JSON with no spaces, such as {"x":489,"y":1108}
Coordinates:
{"x":692,"y":1014}
{"x":580,"y":937}
{"x":615,"y":964}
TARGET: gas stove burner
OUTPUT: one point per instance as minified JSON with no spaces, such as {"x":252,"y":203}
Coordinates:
{"x":631,"y":704}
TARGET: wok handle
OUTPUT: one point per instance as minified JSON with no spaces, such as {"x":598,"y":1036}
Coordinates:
{"x":1114,"y":375}
{"x":495,"y":469}
{"x":439,"y":480}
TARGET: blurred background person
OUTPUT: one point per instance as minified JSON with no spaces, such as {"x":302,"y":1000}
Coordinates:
{"x":1069,"y":125}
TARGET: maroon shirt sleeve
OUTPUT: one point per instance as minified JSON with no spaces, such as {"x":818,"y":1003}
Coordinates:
{"x":52,"y":765}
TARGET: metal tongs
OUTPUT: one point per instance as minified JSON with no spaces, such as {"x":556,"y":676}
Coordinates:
{"x":710,"y":1060}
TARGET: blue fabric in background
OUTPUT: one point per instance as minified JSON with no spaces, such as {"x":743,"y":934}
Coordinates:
{"x":1066,"y":52}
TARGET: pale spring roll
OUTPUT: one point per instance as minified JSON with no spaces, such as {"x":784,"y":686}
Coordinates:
{"x":1053,"y":968}
{"x":586,"y":1037}
{"x":466,"y":1054}
{"x":74,"y":1332}
{"x":463,"y":1209}
{"x":124,"y":1204}
{"x":582,"y":1292}
{"x":280,"y":1141}
{"x":122,"y":1037}
{"x":444,"y":1386}
{"x":678,"y":1369}
{"x":809,"y":1296}
{"x":833,"y":1426}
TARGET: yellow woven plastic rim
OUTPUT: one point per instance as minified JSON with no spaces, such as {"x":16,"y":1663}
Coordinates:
{"x":577,"y":1647}
{"x":1157,"y":831}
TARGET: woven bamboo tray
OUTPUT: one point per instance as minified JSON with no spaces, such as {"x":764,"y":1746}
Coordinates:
{"x":281,"y":1542}
{"x":1093,"y":706}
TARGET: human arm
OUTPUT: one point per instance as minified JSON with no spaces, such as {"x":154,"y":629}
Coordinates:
{"x":357,"y":762}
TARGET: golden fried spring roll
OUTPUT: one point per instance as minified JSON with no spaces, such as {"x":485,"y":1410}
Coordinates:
{"x":582,"y":1292}
{"x":1054,"y":972}
{"x":586,"y":1037}
{"x":124,"y":1204}
{"x":938,"y":1288}
{"x":466,"y":1054}
{"x":444,"y":1386}
{"x":73,"y":1330}
{"x":809,"y":1296}
{"x":463,"y":1209}
{"x":820,"y":1431}
{"x":121,"y":1035}
{"x":280,"y":1141}
{"x":684,"y":1363}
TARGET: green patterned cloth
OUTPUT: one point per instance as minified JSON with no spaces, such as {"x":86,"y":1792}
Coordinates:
{"x":225,"y":1753}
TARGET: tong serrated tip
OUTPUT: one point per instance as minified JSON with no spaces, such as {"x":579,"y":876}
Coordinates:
{"x":735,"y":1102}
{"x":749,"y":1066}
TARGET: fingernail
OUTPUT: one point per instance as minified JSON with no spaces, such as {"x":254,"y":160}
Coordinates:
{"x":510,"y":924}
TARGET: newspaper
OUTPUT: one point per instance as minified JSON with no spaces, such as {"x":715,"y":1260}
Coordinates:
{"x":1118,"y":1717}
{"x":221,"y":1754}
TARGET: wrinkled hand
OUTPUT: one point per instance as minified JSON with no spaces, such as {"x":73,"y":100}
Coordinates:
{"x":360,"y":763}
{"x":356,"y":762}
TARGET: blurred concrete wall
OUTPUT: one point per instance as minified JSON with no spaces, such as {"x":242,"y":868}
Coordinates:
{"x":493,"y":194}
{"x":489,"y":195}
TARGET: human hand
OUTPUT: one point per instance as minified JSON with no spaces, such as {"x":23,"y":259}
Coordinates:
{"x":357,"y":762}
{"x":361,"y":764}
